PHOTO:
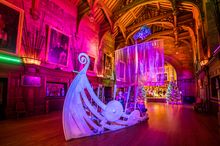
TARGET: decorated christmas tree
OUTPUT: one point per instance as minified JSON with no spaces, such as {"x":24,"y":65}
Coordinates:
{"x":142,"y":92}
{"x":173,"y":95}
{"x":140,"y":100}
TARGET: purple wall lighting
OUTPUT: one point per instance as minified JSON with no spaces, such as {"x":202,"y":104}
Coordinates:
{"x":33,"y":81}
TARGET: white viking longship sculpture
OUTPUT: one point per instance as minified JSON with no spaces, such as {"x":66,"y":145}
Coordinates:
{"x":84,"y":114}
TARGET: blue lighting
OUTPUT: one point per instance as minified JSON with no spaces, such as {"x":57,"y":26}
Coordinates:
{"x":142,"y":33}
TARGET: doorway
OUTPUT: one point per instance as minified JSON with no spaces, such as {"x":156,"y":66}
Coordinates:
{"x":3,"y":97}
{"x":157,"y":93}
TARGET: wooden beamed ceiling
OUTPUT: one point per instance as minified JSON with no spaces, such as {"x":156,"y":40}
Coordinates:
{"x":128,"y":15}
{"x":175,"y":21}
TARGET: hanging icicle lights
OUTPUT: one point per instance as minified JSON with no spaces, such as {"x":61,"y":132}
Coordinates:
{"x":142,"y":33}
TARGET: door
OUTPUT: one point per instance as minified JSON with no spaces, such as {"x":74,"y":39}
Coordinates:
{"x":3,"y":97}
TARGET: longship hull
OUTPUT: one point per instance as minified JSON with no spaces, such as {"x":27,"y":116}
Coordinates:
{"x":81,"y":117}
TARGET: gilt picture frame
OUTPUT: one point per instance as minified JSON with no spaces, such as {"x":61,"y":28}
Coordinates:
{"x":57,"y":47}
{"x":11,"y":24}
{"x":108,"y":65}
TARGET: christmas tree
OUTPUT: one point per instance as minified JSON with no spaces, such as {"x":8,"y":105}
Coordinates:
{"x":141,"y":99}
{"x":173,"y":95}
{"x":142,"y":92}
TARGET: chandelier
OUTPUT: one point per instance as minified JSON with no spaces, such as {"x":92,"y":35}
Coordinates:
{"x":142,"y":33}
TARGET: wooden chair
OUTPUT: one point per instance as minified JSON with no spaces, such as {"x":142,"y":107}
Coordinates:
{"x":20,"y":109}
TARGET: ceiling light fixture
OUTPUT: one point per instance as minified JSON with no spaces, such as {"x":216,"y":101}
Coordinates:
{"x":142,"y":33}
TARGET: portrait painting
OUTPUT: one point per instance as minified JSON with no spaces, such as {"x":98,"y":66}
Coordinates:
{"x":58,"y":47}
{"x":11,"y":21}
{"x":108,"y":65}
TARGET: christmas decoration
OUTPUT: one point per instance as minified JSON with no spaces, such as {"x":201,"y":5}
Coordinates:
{"x":84,"y":114}
{"x":173,"y":94}
{"x":140,"y":100}
{"x":142,"y":92}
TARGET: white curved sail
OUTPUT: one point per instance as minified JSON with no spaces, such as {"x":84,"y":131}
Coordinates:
{"x":83,"y":118}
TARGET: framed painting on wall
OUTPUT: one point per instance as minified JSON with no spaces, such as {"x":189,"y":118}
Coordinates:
{"x":11,"y":23}
{"x":108,"y":65}
{"x":54,"y":89}
{"x":57,"y":47}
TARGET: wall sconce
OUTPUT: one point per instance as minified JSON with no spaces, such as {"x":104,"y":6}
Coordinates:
{"x":204,"y":62}
{"x":28,"y":60}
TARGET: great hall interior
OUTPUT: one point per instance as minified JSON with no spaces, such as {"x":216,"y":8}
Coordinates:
{"x":109,"y":72}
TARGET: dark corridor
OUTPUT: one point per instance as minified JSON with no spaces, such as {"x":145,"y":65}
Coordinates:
{"x":3,"y":97}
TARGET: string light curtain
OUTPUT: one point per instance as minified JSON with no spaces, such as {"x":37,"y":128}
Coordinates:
{"x":140,"y":64}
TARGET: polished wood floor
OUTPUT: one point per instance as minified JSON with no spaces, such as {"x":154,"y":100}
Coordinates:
{"x":173,"y":125}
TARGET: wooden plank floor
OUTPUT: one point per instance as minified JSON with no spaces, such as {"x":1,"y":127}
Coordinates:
{"x":173,"y":125}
